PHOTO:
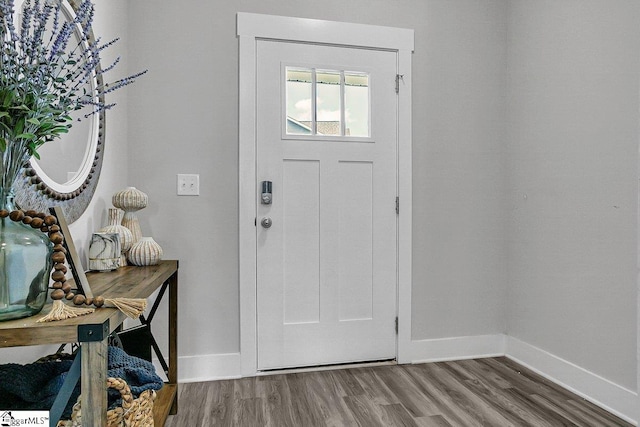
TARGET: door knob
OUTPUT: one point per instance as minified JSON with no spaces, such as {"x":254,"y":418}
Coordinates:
{"x":266,"y":222}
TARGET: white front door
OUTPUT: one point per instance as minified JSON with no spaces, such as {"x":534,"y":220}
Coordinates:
{"x":327,"y":264}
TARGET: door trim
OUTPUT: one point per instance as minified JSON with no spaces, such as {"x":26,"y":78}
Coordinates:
{"x":251,"y":27}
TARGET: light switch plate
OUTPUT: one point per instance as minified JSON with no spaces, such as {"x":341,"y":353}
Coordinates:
{"x":188,"y":184}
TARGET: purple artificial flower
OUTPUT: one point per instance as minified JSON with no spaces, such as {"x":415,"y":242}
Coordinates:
{"x":45,"y":68}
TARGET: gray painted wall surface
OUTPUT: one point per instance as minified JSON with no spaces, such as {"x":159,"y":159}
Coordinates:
{"x":572,"y":181}
{"x":459,"y":254}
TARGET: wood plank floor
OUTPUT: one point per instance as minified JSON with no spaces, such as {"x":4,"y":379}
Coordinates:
{"x":481,"y":392}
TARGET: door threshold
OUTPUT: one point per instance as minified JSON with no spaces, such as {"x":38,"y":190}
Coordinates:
{"x":317,"y":368}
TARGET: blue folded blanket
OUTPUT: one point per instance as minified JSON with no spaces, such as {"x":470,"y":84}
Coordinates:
{"x":36,"y":385}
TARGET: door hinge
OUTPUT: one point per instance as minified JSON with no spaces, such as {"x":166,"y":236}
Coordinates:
{"x":396,"y":325}
{"x":255,"y":222}
{"x":397,"y":205}
{"x":398,"y":78}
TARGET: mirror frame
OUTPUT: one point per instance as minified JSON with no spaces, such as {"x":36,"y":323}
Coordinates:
{"x":37,"y":192}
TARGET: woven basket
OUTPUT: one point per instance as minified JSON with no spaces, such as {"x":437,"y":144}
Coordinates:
{"x":133,"y":412}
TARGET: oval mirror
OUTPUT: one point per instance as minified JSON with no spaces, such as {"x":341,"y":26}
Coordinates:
{"x":67,"y":172}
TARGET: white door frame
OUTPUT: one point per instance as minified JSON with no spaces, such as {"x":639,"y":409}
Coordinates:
{"x":250,"y":28}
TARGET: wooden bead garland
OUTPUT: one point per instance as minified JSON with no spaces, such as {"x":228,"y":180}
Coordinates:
{"x":49,"y":224}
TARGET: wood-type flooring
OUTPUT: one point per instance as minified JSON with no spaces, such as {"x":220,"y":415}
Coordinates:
{"x":480,"y":392}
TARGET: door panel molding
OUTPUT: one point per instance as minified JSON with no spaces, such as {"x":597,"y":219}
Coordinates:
{"x":251,"y":27}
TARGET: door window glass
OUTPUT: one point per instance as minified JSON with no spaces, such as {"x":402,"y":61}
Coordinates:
{"x":299,"y":95}
{"x":356,"y":104}
{"x":328,"y":103}
{"x":322,"y":102}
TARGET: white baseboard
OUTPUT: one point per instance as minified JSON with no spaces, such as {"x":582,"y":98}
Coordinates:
{"x":457,"y":348}
{"x":600,"y":391}
{"x":208,"y":367}
{"x":212,"y":367}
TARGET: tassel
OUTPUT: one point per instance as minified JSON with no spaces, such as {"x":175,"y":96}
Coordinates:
{"x":61,"y":311}
{"x":132,"y":307}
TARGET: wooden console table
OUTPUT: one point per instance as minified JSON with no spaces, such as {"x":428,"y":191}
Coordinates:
{"x":92,"y":330}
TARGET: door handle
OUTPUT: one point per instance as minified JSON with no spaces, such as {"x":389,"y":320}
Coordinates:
{"x":266,"y":222}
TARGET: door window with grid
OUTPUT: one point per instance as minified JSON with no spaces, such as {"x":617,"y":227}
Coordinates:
{"x":324,"y":102}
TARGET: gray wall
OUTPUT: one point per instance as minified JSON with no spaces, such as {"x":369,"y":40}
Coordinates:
{"x":459,"y":258}
{"x":572,"y":181}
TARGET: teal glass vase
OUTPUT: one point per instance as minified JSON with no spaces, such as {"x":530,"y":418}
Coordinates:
{"x":25,"y":265}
